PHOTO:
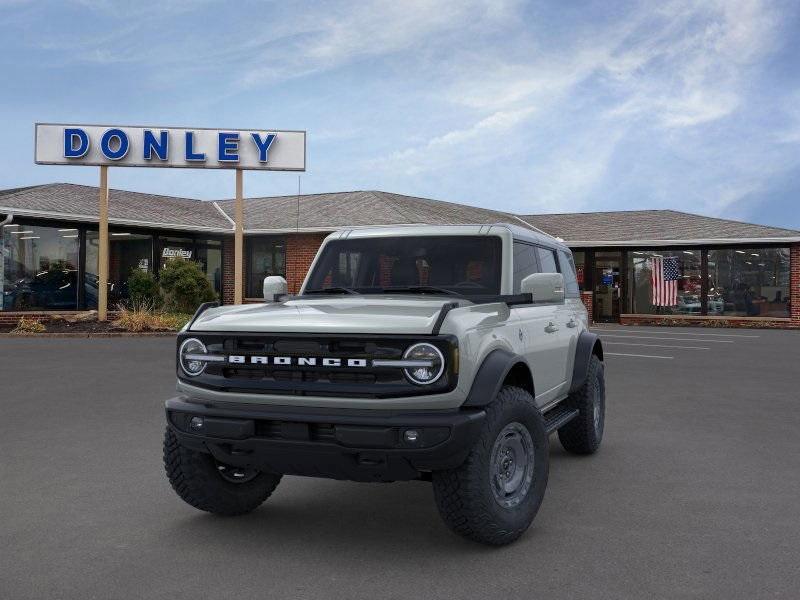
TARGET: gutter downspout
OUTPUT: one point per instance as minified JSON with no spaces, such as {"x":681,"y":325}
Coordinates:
{"x":7,"y":220}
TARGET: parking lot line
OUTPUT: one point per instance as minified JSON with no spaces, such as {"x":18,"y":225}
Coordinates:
{"x":656,"y":345}
{"x":734,"y":335}
{"x":651,"y":337}
{"x":637,"y":355}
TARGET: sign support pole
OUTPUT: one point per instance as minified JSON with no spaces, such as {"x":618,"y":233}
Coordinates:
{"x":238,"y":255}
{"x":102,"y":255}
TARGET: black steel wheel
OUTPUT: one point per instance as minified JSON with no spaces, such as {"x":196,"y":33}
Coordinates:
{"x":495,"y":494}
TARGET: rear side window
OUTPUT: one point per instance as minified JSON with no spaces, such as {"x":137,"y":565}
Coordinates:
{"x":570,"y":278}
{"x":525,"y":263}
{"x":547,"y":260}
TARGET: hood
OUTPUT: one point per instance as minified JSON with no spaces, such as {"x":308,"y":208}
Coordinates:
{"x":340,"y":314}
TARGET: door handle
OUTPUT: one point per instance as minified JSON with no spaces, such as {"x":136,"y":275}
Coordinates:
{"x":571,"y":323}
{"x":551,"y":328}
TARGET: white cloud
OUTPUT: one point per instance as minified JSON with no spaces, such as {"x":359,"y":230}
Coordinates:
{"x":372,"y":28}
{"x":475,"y":144}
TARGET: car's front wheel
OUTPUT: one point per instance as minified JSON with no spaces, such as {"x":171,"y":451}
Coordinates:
{"x":495,"y":494}
{"x":212,"y":486}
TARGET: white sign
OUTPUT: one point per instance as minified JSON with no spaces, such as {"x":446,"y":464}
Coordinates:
{"x":176,"y":253}
{"x":122,"y":146}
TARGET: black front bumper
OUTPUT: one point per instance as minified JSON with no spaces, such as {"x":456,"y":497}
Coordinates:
{"x":340,"y":444}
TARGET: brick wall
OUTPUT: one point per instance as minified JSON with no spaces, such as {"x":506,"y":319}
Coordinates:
{"x":709,"y":321}
{"x":587,"y":297}
{"x":228,"y":292}
{"x":301,"y":248}
{"x":794,"y":284}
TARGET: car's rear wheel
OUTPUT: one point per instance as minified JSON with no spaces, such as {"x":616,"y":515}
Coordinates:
{"x":495,"y":494}
{"x":209,"y":485}
{"x":584,"y":433}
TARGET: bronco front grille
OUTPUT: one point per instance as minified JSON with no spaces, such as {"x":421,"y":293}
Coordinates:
{"x":316,"y":379}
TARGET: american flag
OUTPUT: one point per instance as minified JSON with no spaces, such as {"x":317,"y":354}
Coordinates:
{"x":664,"y":279}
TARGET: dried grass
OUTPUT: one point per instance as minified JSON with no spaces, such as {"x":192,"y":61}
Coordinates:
{"x":142,"y":316}
{"x":29,"y":325}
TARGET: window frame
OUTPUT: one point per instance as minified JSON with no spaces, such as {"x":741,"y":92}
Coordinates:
{"x":627,"y":252}
{"x":249,"y":251}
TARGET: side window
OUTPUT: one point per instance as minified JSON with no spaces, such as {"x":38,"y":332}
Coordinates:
{"x":524,"y":263}
{"x":547,"y":260}
{"x":570,"y":277}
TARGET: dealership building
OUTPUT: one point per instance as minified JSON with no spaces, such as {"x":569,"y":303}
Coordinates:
{"x":725,"y":272}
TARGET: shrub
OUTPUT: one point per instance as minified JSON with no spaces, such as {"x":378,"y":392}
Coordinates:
{"x":143,"y":289}
{"x":26,"y":325}
{"x":184,"y":286}
{"x":143,"y":317}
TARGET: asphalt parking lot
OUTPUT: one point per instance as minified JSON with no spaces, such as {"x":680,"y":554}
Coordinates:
{"x":694,"y":494}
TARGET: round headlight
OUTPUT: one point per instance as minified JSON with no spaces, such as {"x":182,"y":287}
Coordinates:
{"x":433,"y":363}
{"x":188,"y":353}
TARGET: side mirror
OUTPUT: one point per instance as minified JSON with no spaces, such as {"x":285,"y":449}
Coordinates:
{"x":274,"y":287}
{"x":545,"y":287}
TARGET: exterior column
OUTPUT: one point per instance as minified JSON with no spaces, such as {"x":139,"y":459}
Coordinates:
{"x":102,"y":254}
{"x":794,"y":283}
{"x":238,"y":254}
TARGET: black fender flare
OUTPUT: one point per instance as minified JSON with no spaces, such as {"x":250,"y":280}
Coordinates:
{"x":588,"y":343}
{"x":491,"y":375}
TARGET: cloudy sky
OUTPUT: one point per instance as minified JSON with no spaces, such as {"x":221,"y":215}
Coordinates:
{"x":529,"y":107}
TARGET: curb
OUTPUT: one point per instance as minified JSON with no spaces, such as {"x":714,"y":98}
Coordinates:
{"x":120,"y":334}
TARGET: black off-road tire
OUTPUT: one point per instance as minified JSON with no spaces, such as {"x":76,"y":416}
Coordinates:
{"x":584,"y":433}
{"x":464,"y":495}
{"x":196,"y":479}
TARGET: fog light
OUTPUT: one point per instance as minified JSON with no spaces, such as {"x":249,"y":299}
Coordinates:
{"x":196,"y":423}
{"x":411,"y":436}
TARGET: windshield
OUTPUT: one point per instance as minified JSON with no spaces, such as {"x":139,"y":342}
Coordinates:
{"x":463,"y":265}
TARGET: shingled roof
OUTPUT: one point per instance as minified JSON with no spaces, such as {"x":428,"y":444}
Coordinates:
{"x":357,"y":209}
{"x":643,"y":226}
{"x":327,"y":212}
{"x":79,"y":203}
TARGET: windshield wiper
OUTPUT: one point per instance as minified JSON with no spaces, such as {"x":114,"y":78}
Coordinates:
{"x":332,"y":290}
{"x":422,"y":289}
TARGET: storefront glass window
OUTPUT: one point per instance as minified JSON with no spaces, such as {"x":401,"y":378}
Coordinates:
{"x":665,"y":282}
{"x":39,"y":268}
{"x":128,"y":252}
{"x":747,"y":282}
{"x":209,"y":255}
{"x":265,"y":256}
{"x":579,"y":257}
{"x":176,"y":247}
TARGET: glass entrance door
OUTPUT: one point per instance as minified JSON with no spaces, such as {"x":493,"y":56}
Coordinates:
{"x":607,"y":279}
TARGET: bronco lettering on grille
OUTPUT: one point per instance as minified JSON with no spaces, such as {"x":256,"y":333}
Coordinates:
{"x":301,"y":361}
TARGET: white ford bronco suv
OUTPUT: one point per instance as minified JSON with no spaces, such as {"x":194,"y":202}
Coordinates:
{"x":437,"y":353}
